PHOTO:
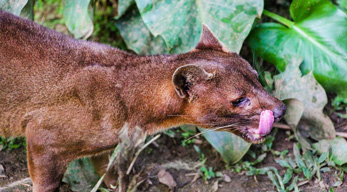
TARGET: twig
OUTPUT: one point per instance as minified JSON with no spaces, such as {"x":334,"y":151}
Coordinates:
{"x":113,"y":157}
{"x":282,"y":126}
{"x":27,"y":182}
{"x":255,"y":179}
{"x":139,"y":151}
{"x":341,"y":134}
{"x":191,"y":174}
{"x":133,"y":189}
{"x":287,"y":127}
{"x":303,"y":183}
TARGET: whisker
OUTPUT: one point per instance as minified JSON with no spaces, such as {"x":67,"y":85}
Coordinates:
{"x":239,"y":115}
{"x":182,"y":115}
{"x":263,"y":70}
{"x":207,"y":124}
{"x":208,"y":130}
{"x":255,"y":61}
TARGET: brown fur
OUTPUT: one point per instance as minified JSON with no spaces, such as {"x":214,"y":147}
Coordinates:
{"x":70,"y":98}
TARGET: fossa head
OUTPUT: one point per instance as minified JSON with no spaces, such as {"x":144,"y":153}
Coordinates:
{"x":223,"y":92}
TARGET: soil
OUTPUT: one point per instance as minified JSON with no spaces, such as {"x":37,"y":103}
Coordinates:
{"x":167,"y":153}
{"x":14,"y":164}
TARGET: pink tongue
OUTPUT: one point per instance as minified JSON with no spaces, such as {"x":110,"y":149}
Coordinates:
{"x":265,"y":123}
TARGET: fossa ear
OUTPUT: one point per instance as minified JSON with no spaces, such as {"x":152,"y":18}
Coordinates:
{"x":185,"y":77}
{"x":209,"y":41}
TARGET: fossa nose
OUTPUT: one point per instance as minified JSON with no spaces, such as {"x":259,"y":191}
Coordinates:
{"x":279,"y":111}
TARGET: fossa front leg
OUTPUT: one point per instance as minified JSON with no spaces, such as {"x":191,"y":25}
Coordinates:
{"x":46,"y":167}
{"x":58,"y":135}
{"x":117,"y":175}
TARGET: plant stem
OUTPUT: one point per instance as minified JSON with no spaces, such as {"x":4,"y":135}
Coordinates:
{"x":287,"y":127}
{"x":278,"y":18}
{"x":139,"y":151}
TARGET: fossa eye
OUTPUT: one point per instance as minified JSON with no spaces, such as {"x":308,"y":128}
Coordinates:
{"x":239,"y":101}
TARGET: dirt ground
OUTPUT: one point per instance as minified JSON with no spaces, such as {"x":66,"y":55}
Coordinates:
{"x":168,"y":152}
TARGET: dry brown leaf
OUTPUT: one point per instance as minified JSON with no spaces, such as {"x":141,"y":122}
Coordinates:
{"x":215,"y":186}
{"x":292,"y":84}
{"x":166,"y":179}
{"x":196,"y":177}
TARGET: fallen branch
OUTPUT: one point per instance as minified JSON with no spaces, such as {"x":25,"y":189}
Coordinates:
{"x":287,"y":127}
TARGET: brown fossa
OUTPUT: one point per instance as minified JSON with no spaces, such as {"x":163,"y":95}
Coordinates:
{"x":71,"y":98}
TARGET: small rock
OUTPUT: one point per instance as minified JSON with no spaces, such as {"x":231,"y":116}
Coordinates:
{"x":226,"y":178}
{"x":2,"y":172}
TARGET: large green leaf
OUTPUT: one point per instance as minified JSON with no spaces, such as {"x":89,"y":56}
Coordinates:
{"x":295,"y":110}
{"x":318,"y":35}
{"x":180,"y":22}
{"x":80,"y":175}
{"x":136,"y":35}
{"x":338,"y":148}
{"x":28,"y":10}
{"x":342,"y":4}
{"x":123,"y":6}
{"x":23,"y":8}
{"x":14,"y":7}
{"x":231,"y":147}
{"x":78,"y":16}
{"x":292,"y":85}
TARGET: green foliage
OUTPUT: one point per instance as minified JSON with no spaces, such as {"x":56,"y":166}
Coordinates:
{"x":292,"y":85}
{"x":339,"y":103}
{"x":231,"y":147}
{"x":49,"y":13}
{"x":150,"y":30}
{"x":28,"y":10}
{"x":318,"y":35}
{"x":78,"y":16}
{"x":342,"y":4}
{"x":136,"y":35}
{"x":170,"y":133}
{"x":186,"y":138}
{"x":230,"y":21}
{"x":207,"y":173}
{"x":305,"y":165}
{"x":337,"y":148}
{"x":188,"y":133}
{"x":123,"y":6}
{"x":11,"y":143}
{"x":14,"y":7}
{"x":105,"y":29}
{"x":80,"y":175}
